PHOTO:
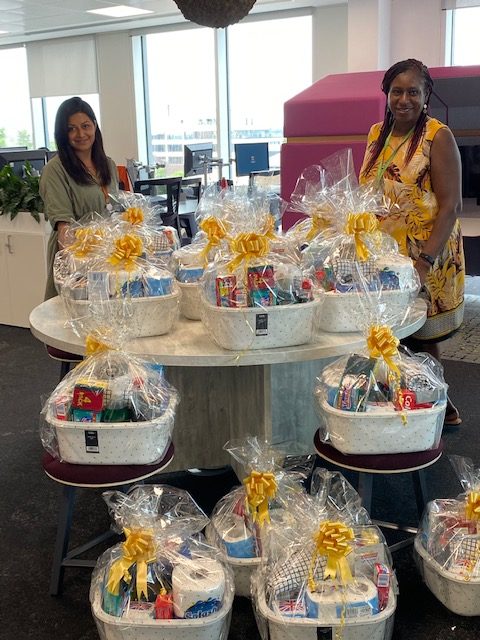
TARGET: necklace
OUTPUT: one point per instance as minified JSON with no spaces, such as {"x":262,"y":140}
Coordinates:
{"x":384,"y":164}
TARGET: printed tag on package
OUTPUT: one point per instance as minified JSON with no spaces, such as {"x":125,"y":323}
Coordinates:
{"x":261,"y":324}
{"x":91,"y":441}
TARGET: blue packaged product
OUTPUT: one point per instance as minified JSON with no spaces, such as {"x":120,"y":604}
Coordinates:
{"x":189,"y":274}
{"x":158,"y":286}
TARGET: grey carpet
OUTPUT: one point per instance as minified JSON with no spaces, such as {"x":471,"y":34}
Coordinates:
{"x":29,"y":504}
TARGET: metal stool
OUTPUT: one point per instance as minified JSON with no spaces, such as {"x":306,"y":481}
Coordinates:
{"x":367,"y":466}
{"x":74,"y":476}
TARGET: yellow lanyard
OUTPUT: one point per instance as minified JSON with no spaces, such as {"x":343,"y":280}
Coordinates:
{"x":383,"y":166}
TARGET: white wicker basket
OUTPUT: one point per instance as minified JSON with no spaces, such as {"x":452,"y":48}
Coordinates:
{"x":457,"y":594}
{"x":383,"y":432}
{"x":118,"y":442}
{"x":190,"y":302}
{"x":214,"y":627}
{"x":239,"y":329}
{"x":341,"y":312}
{"x":153,"y":316}
{"x":277,"y":627}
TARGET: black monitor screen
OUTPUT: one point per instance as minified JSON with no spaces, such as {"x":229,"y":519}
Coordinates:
{"x":18,"y":159}
{"x":251,"y":156}
{"x":194,"y":157}
{"x":470,"y":171}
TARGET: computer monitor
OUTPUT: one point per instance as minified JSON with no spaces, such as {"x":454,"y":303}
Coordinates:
{"x":470,"y":156}
{"x":18,"y":159}
{"x":7,"y":149}
{"x":194,"y":157}
{"x":251,"y":156}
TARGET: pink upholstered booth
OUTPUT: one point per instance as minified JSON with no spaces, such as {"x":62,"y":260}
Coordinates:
{"x":338,"y":110}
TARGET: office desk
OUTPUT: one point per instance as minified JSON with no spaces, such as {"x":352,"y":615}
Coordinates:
{"x":225,"y":394}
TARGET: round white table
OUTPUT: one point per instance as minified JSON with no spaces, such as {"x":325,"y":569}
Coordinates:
{"x":226,"y":394}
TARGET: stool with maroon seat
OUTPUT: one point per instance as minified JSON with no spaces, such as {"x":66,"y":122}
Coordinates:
{"x":67,"y":360}
{"x":74,"y":476}
{"x":367,"y":466}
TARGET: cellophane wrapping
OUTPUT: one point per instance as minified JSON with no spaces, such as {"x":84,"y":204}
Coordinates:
{"x":269,"y":491}
{"x":449,"y":531}
{"x":123,"y":278}
{"x":112,"y":408}
{"x":254,"y":288}
{"x":164,"y":580}
{"x":371,"y":405}
{"x":330,"y":568}
{"x":352,"y":257}
{"x":316,"y":192}
{"x":383,"y":398}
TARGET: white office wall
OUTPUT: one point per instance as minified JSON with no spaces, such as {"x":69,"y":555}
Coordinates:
{"x":369,"y":34}
{"x":117,"y":95}
{"x":329,"y":41}
{"x":418,"y":31}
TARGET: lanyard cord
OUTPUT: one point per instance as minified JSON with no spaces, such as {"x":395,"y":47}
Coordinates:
{"x":383,"y":166}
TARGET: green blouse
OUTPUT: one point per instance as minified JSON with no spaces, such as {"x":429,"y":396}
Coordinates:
{"x":66,"y":201}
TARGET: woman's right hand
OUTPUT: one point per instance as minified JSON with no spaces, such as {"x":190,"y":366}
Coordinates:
{"x":64,"y":235}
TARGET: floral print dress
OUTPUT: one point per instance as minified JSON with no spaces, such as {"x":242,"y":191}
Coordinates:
{"x":413,"y":209}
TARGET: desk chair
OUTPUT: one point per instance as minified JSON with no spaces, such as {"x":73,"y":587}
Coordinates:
{"x":87,"y":476}
{"x":169,"y":202}
{"x":367,"y":466}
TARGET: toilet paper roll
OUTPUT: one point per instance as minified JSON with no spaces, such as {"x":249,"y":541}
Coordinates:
{"x":239,"y":541}
{"x":198,"y":587}
{"x":358,"y":599}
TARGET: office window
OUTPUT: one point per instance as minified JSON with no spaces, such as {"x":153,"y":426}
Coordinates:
{"x":15,"y":116}
{"x":44,"y":113}
{"x":180,"y":94}
{"x":269,"y":61}
{"x":465,"y":40}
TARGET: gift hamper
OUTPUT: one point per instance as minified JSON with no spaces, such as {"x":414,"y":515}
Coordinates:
{"x":367,"y":409}
{"x":352,"y":256}
{"x":164,"y":581}
{"x":330,"y":576}
{"x":447,"y":545}
{"x":240,"y":519}
{"x":112,"y":409}
{"x":384,"y":398}
{"x":124,"y":265}
{"x":253,"y":297}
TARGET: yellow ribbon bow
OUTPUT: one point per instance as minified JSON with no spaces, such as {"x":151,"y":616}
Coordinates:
{"x":127,"y":249}
{"x":319,"y":222}
{"x":260,"y":487}
{"x":382,"y":343}
{"x":332,"y":540}
{"x":357,"y":224}
{"x":133,"y":215}
{"x":138,"y":549}
{"x":216,"y":231}
{"x":94,"y":345}
{"x":246,"y":247}
{"x":472,"y":508}
{"x":85,"y":241}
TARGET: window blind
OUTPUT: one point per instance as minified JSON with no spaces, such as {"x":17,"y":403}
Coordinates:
{"x":62,"y":67}
{"x":459,"y":4}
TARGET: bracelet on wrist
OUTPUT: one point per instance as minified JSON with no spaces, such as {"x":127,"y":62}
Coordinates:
{"x":427,"y":258}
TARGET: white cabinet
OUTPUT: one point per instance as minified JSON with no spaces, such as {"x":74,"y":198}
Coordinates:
{"x":23,"y":267}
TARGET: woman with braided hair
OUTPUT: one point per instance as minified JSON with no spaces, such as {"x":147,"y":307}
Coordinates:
{"x":415,"y":159}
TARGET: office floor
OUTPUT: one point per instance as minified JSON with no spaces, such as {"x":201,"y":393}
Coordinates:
{"x":29,"y":504}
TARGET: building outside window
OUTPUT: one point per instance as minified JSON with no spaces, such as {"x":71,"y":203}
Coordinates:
{"x":180,"y":94}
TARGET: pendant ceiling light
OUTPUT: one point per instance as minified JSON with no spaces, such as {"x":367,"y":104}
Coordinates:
{"x":215,"y":13}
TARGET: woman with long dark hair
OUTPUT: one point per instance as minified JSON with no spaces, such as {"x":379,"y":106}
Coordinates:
{"x":79,"y":179}
{"x":416,"y":161}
